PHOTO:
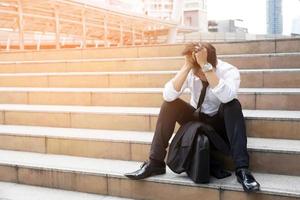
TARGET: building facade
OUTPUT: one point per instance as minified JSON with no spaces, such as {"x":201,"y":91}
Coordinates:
{"x":274,"y":16}
{"x":193,"y":12}
{"x":296,"y":27}
{"x":227,"y":26}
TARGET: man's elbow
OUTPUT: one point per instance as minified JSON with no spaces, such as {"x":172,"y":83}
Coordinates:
{"x":168,"y":98}
{"x":226,"y":95}
{"x":227,"y":99}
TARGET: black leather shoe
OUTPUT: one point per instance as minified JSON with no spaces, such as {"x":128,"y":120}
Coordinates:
{"x":247,"y":180}
{"x":145,"y":171}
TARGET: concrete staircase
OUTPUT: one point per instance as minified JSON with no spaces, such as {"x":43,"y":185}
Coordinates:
{"x":79,"y":119}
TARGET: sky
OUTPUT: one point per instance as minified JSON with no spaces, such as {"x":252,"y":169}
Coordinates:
{"x":253,"y":12}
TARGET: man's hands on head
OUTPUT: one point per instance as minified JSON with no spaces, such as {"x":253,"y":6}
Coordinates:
{"x":201,"y":55}
{"x":193,"y":60}
{"x":198,"y":56}
{"x":211,"y":77}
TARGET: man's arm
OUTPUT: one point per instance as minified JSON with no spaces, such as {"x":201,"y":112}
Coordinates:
{"x":211,"y":76}
{"x":174,"y":88}
{"x":229,"y":84}
{"x":181,"y":77}
{"x":226,"y":88}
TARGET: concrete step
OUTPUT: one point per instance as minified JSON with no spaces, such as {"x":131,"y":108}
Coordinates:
{"x":254,"y":78}
{"x":14,"y":191}
{"x":250,"y":98}
{"x":242,"y":61}
{"x":277,"y":60}
{"x":260,"y":123}
{"x":246,"y":47}
{"x":265,"y":154}
{"x":104,"y":176}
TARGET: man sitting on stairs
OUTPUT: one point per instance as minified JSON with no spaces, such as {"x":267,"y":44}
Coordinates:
{"x":217,"y":105}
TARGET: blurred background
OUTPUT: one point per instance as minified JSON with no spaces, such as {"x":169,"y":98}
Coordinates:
{"x":38,"y":24}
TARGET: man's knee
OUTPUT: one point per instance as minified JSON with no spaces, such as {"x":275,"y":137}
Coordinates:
{"x":167,"y":104}
{"x":233,"y":104}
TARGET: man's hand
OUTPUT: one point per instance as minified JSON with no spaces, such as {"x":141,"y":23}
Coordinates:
{"x":201,"y":56}
{"x":189,"y":61}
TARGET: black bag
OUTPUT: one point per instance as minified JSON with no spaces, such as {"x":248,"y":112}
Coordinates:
{"x":190,"y":149}
{"x":199,"y":166}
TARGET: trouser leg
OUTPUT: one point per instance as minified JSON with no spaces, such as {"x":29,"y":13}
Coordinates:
{"x":235,"y":130}
{"x":170,"y":113}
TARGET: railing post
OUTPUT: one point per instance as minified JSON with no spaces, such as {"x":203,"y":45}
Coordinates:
{"x":121,"y":43}
{"x":57,"y":27}
{"x":133,"y":38}
{"x":38,"y":46}
{"x":105,"y":31}
{"x":20,"y":25}
{"x":143,"y":37}
{"x":83,"y":22}
{"x":8,"y":44}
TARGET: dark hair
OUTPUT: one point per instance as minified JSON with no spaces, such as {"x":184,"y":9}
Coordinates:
{"x":211,"y":52}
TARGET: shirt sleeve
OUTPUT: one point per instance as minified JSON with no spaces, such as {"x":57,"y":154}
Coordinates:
{"x":229,"y":83}
{"x":169,"y":92}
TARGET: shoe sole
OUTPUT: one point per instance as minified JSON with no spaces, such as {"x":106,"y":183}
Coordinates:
{"x":152,"y":174}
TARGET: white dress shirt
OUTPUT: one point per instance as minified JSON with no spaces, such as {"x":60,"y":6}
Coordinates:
{"x":225,"y":91}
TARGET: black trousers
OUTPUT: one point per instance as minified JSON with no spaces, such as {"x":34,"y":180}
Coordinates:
{"x":229,"y":123}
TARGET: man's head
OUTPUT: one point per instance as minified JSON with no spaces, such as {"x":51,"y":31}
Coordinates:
{"x":211,"y":52}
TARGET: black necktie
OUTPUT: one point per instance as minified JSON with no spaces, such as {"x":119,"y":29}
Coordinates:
{"x":201,"y":98}
{"x":202,"y":95}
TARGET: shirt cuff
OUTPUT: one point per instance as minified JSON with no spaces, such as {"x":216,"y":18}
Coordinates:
{"x":170,"y":93}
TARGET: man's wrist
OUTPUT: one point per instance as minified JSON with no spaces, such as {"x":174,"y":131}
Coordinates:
{"x":202,"y":64}
{"x":187,"y":66}
{"x":207,"y":67}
